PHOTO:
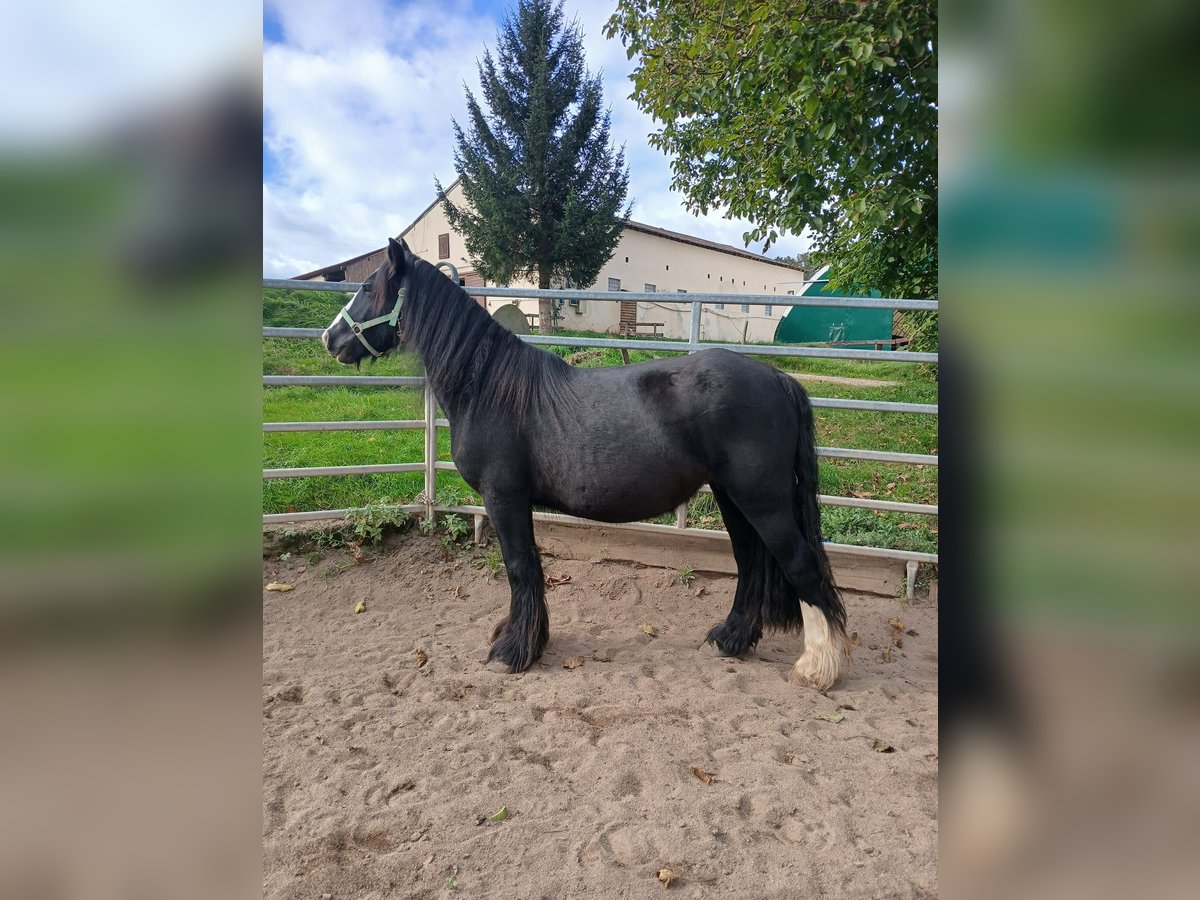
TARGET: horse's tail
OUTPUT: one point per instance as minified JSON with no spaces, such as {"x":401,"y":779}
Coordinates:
{"x":781,"y":605}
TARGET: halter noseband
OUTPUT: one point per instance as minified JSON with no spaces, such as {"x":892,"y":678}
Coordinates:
{"x":358,"y":328}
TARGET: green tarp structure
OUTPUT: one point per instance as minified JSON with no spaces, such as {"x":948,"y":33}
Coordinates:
{"x":857,"y":328}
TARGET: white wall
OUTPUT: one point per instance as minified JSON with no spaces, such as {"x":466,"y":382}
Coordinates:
{"x":643,"y":258}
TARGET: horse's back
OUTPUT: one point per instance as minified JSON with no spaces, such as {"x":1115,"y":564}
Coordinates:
{"x":681,"y":421}
{"x":714,"y":383}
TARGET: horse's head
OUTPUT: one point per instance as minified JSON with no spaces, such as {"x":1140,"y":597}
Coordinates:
{"x":372,"y":323}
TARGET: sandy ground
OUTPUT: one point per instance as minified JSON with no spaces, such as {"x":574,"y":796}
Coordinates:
{"x":387,"y":742}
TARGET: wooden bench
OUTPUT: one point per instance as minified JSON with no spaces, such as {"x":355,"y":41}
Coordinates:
{"x":630,"y":329}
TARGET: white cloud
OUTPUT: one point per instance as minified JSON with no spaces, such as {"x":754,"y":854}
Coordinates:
{"x":358,"y":101}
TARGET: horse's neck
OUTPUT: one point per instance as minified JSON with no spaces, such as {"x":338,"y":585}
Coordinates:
{"x":451,"y":369}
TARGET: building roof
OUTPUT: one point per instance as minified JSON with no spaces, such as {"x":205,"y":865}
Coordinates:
{"x":636,"y":226}
{"x":707,"y":244}
{"x":338,"y":265}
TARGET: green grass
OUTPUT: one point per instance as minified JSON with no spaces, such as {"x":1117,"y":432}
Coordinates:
{"x":899,"y":432}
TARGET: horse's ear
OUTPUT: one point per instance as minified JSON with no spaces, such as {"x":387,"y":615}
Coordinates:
{"x":397,"y":253}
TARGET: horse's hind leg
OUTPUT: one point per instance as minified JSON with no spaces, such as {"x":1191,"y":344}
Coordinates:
{"x":742,"y":628}
{"x":519,"y":639}
{"x":825,"y":647}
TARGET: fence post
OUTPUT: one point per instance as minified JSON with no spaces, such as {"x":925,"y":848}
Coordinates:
{"x":430,"y":450}
{"x":694,"y":339}
{"x":693,"y":347}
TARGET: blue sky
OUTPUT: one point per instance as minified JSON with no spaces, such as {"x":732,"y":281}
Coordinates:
{"x":358,"y":100}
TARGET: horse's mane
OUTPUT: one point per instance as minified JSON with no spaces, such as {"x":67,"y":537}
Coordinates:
{"x":474,"y":362}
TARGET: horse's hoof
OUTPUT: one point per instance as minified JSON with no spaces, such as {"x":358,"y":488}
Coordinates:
{"x":708,"y":648}
{"x":499,"y":666}
{"x":511,"y":656}
{"x":817,"y":670}
{"x":732,"y":641}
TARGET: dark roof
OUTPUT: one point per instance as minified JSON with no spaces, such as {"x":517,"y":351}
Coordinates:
{"x":636,"y":226}
{"x":338,"y":265}
{"x":707,"y":244}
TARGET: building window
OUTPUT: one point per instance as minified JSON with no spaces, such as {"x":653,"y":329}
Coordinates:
{"x":614,"y":284}
{"x":745,"y":307}
{"x":719,"y":305}
{"x":767,"y":310}
{"x":681,"y":290}
{"x":650,"y":288}
{"x":627,"y":259}
{"x":444,"y":246}
{"x":668,"y":267}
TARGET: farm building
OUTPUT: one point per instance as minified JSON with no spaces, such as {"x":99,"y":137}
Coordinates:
{"x":647,"y":259}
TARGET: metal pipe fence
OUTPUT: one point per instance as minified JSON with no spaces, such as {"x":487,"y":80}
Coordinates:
{"x":430,"y":465}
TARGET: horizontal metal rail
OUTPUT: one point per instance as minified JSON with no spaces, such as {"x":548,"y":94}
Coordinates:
{"x":680,"y":346}
{"x":343,"y":381}
{"x":314,"y":471}
{"x":919,"y":509}
{"x":903,"y":356}
{"x":270,"y":331}
{"x":349,"y":287}
{"x":925,"y":409}
{"x":912,"y":459}
{"x":362,"y":425}
{"x":304,"y":284}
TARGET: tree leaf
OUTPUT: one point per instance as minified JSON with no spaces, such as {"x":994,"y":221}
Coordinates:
{"x":730,"y":88}
{"x":500,"y":815}
{"x":706,"y":777}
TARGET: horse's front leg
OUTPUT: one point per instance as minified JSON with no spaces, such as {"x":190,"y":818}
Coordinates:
{"x":520,"y":639}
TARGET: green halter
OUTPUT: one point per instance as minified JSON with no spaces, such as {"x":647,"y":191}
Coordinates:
{"x":391,"y":318}
{"x":358,"y":328}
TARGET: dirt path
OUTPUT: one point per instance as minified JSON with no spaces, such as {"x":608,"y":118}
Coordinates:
{"x":841,"y":379}
{"x":380,"y":761}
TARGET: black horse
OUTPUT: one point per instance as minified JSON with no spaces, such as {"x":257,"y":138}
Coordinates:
{"x":615,"y":444}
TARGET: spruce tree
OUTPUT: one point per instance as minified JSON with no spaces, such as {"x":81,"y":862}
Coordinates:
{"x":545,"y":190}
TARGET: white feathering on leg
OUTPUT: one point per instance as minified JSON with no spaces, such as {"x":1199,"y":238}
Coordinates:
{"x":821,"y":663}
